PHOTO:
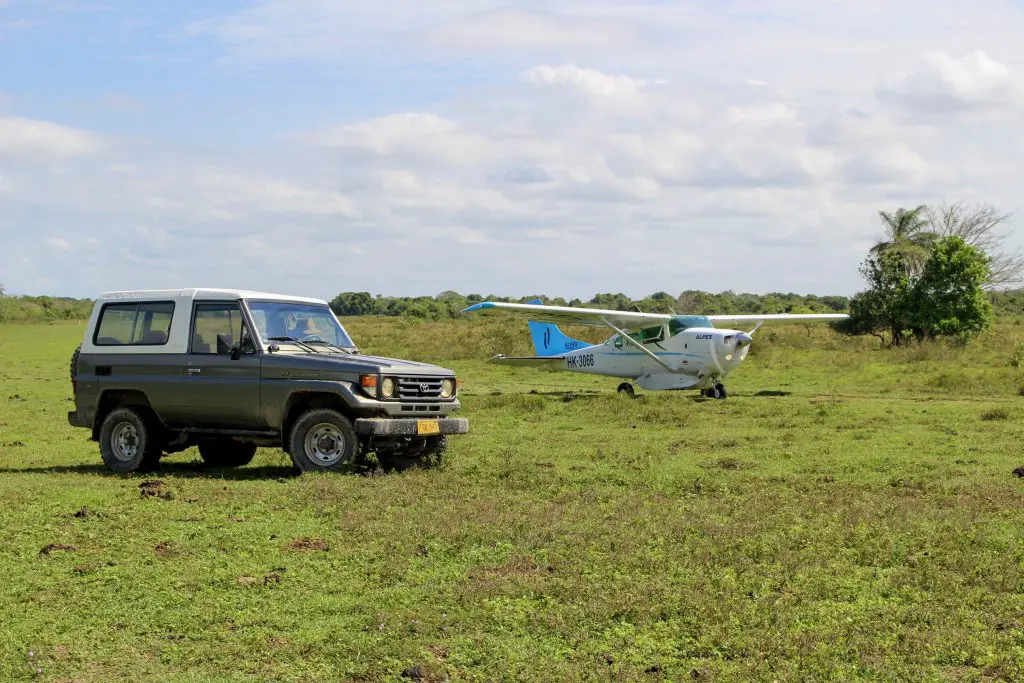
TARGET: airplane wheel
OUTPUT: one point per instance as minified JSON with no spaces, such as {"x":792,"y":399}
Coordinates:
{"x":718,"y":391}
{"x":626,"y":388}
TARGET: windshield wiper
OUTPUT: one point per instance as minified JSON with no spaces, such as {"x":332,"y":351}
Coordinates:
{"x":333,"y":346}
{"x":293,"y":340}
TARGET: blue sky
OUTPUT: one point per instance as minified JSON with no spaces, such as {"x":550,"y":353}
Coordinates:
{"x":566,"y":146}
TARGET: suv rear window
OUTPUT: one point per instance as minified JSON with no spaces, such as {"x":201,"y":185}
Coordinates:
{"x":142,"y":324}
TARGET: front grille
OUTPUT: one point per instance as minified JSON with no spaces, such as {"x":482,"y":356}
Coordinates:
{"x":418,"y":388}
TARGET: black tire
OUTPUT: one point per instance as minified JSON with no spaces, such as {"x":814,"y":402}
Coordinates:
{"x":227,"y":453}
{"x":627,"y":389}
{"x":74,"y":362}
{"x":312,"y":454}
{"x":127,"y":442}
{"x":719,"y":391}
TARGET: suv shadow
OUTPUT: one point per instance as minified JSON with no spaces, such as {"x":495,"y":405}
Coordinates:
{"x":175,"y":469}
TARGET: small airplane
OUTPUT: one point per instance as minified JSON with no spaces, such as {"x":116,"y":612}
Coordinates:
{"x":658,"y":351}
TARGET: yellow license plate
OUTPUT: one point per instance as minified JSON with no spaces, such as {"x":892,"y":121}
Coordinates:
{"x":427,"y":427}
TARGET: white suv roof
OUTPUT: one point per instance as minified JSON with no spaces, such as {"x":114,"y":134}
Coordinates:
{"x":206,"y":293}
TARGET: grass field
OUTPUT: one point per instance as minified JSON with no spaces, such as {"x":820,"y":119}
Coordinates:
{"x":848,"y":513}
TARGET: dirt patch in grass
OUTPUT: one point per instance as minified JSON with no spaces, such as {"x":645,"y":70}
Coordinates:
{"x":268,"y":579}
{"x":156,"y":489}
{"x":307,"y":543}
{"x":728,"y":464}
{"x":57,"y":547}
{"x":519,"y":566}
{"x":419,"y":672}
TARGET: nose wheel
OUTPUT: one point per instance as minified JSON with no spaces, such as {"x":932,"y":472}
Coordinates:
{"x":716,"y":391}
{"x":627,"y":389}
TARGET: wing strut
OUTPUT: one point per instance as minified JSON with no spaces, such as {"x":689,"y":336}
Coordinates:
{"x":640,"y":346}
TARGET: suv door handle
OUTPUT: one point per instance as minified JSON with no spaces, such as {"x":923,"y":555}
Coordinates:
{"x":195,"y":371}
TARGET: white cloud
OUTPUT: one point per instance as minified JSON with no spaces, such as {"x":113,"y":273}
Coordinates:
{"x":587,"y":80}
{"x":411,"y":136}
{"x":538,"y":30}
{"x":943,"y":83}
{"x":58,"y":243}
{"x":317,"y":29}
{"x":41,"y":140}
{"x":223,"y":190}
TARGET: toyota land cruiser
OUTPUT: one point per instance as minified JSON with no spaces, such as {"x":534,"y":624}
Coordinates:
{"x":228,"y":371}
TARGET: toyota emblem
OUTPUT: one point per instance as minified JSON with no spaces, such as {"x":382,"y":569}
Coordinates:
{"x":424,"y":388}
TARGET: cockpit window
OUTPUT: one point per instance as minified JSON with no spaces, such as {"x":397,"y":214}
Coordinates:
{"x":305,"y":322}
{"x":684,"y":322}
{"x":646,"y":335}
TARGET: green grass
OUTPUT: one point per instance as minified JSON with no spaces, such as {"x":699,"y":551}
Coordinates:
{"x":848,"y":513}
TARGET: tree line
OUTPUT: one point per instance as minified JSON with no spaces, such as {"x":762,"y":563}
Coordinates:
{"x":41,"y":308}
{"x":448,"y":304}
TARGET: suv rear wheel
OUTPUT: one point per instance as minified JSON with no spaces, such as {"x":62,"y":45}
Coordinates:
{"x":127,"y":443}
{"x":227,"y":453}
{"x":323,"y":440}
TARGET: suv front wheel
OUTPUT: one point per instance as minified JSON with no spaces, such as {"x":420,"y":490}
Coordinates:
{"x":323,"y":440}
{"x":127,"y":443}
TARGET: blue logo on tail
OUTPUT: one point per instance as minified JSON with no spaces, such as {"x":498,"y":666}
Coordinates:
{"x":548,"y":340}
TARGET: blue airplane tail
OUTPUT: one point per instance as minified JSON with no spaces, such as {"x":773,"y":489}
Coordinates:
{"x":548,"y":340}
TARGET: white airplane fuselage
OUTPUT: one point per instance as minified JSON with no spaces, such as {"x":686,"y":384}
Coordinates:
{"x":695,"y":357}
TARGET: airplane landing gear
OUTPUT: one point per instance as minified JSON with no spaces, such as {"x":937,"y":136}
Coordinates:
{"x":626,"y":388}
{"x":717,"y":391}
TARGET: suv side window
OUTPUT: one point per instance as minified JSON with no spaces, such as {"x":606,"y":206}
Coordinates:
{"x":216,"y":327}
{"x":141,"y":324}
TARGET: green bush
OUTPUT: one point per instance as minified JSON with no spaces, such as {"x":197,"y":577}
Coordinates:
{"x":43,"y":308}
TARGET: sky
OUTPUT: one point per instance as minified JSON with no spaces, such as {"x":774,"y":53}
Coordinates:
{"x":563,"y":147}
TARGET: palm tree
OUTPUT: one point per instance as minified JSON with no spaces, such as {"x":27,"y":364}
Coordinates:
{"x":909,"y":236}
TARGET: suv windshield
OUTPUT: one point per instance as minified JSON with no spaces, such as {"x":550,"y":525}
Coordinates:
{"x":304,"y":322}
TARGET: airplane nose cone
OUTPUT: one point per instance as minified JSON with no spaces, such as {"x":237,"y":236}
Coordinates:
{"x":743,"y":339}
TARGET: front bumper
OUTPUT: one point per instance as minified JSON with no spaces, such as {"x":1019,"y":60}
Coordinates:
{"x":382,"y":426}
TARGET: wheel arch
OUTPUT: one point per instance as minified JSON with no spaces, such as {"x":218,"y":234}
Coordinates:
{"x":303,"y":400}
{"x":111,"y":399}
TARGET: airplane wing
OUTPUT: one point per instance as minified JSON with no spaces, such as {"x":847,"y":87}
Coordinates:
{"x":776,"y":317}
{"x":566,"y":315}
{"x":526,"y":361}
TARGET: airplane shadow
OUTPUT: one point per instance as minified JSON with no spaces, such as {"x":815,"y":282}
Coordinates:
{"x":569,"y":396}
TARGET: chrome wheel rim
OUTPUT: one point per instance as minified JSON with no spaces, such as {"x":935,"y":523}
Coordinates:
{"x":124,"y":441}
{"x":325,"y":444}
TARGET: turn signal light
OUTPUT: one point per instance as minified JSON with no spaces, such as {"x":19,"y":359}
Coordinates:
{"x":368,"y":381}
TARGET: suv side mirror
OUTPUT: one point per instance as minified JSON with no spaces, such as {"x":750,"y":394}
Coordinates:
{"x":236,"y":352}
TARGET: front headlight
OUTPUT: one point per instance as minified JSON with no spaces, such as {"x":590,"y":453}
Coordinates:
{"x":387,"y":387}
{"x":447,"y":388}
